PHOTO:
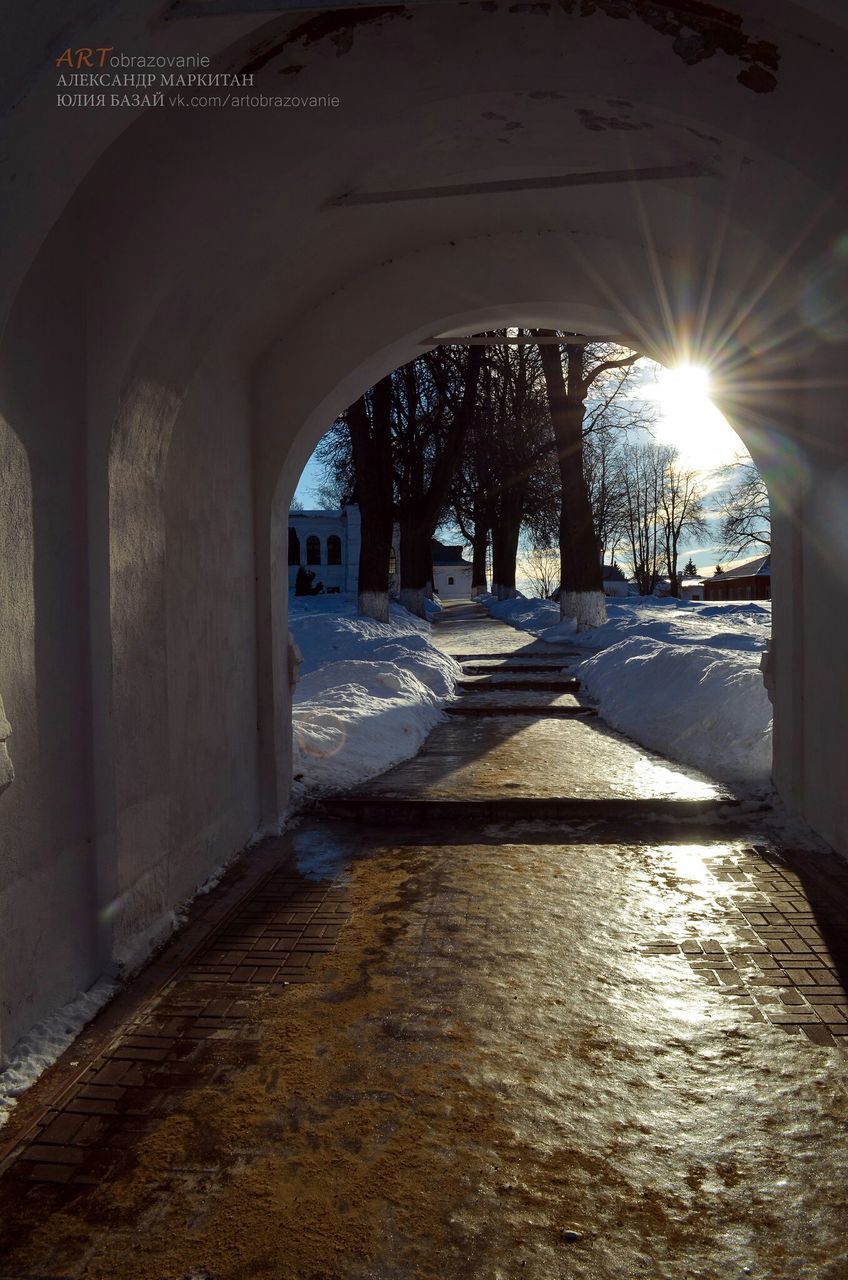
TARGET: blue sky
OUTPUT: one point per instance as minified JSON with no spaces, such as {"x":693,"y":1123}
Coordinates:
{"x":687,"y":419}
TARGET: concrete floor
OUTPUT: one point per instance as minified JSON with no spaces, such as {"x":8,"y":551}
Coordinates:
{"x":551,"y":1048}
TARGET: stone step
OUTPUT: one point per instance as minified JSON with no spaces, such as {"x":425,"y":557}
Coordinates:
{"x":516,"y":702}
{"x":518,"y":667}
{"x":524,"y":653}
{"x":491,"y":758}
{"x":522,"y":681}
{"x":373,"y":810}
{"x":465,"y":708}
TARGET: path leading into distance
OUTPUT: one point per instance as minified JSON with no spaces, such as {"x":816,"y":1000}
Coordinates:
{"x":534,"y":1004}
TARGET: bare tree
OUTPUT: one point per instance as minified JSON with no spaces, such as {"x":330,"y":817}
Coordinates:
{"x":640,"y":479}
{"x":369,"y":421}
{"x":581,"y":585}
{"x":681,"y":509}
{"x":600,"y":465}
{"x":661,"y":501}
{"x":541,"y":568}
{"x":744,"y":509}
{"x":502,"y":480}
{"x":436,"y":398}
{"x":470,"y":503}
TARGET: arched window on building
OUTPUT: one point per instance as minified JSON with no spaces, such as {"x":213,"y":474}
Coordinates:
{"x":334,"y":549}
{"x":294,"y":546}
{"x":392,"y":562}
{"x":313,"y":549}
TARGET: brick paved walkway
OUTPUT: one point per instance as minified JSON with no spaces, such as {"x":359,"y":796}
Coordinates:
{"x":397,"y":1057}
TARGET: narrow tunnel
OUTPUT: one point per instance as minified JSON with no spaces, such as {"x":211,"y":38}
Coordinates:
{"x":184,"y":317}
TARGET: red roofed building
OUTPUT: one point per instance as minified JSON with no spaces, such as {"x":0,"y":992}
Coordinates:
{"x":748,"y":581}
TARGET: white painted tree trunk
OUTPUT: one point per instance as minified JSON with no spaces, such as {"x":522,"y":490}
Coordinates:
{"x":478,"y":589}
{"x":504,"y":593}
{"x":373,"y":604}
{"x":587,"y":608}
{"x":412,"y":598}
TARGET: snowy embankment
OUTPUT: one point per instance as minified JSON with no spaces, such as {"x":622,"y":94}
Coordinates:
{"x":683,"y":678}
{"x":41,"y":1046}
{"x":368,"y":693}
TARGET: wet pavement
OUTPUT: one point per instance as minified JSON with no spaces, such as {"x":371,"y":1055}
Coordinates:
{"x":542,"y":1049}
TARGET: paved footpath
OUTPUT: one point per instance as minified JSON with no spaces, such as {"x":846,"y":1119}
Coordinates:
{"x":536,"y":1004}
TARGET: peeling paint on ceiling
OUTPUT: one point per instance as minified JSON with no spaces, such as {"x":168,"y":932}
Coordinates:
{"x":697,"y":31}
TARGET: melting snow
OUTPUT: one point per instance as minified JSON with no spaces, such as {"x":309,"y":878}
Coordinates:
{"x":368,"y":695}
{"x":41,"y":1046}
{"x":678,"y":676}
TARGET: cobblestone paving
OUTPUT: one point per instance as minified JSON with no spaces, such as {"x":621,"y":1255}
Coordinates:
{"x":196,"y":1031}
{"x":452,"y":983}
{"x":786,"y":955}
{"x":548,"y":1049}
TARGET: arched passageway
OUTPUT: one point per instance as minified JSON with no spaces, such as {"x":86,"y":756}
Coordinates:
{"x":184,"y":318}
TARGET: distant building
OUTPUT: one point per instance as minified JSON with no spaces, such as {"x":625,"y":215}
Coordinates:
{"x":451,"y":573}
{"x":748,"y":581}
{"x":614,"y":581}
{"x":328,"y":542}
{"x":692,"y":589}
{"x":689,"y":588}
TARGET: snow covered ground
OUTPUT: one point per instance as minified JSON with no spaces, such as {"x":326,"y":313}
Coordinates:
{"x":37,"y":1050}
{"x":534,"y":616}
{"x":683,"y":678}
{"x":368,"y":694}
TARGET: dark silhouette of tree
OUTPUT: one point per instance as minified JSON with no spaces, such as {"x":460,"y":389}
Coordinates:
{"x":744,"y":509}
{"x":570,"y":372}
{"x":435,"y":403}
{"x":404,"y":437}
{"x":662,"y":501}
{"x":640,"y":481}
{"x":502,"y":482}
{"x":369,"y":423}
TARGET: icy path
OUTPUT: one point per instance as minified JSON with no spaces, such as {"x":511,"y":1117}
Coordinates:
{"x":592,"y":1050}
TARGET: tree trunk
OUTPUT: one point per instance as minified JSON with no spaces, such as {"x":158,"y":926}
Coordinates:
{"x":506,"y":529}
{"x":504,"y":556}
{"x":479,"y":545}
{"x":674,"y":589}
{"x":370,"y":434}
{"x":420,"y":508}
{"x":581,"y":583}
{"x":416,"y":561}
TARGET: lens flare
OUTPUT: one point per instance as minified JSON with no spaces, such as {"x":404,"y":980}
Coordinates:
{"x":782,"y":464}
{"x":319,"y":734}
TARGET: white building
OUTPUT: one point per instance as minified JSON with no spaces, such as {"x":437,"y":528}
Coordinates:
{"x":451,"y":573}
{"x":327,"y":543}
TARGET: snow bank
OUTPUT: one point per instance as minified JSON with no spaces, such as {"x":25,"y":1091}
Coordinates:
{"x":369,"y":694}
{"x":693,"y":703}
{"x":736,"y":625}
{"x":40,"y":1048}
{"x":534,"y":616}
{"x":679,"y":676}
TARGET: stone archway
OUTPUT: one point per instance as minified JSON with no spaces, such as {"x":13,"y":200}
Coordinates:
{"x":548,"y":166}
